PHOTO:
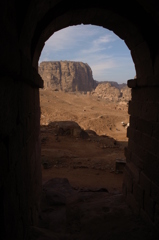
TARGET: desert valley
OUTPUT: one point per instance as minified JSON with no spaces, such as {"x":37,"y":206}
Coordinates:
{"x":82,"y":135}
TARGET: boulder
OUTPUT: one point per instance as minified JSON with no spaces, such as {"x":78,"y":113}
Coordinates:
{"x":63,"y":128}
{"x":57,"y":188}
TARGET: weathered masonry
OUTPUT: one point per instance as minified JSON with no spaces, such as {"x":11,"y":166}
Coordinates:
{"x":25,"y":26}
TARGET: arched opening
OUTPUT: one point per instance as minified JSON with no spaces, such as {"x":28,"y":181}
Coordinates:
{"x":121,"y":24}
{"x":84,"y":188}
{"x":99,"y":109}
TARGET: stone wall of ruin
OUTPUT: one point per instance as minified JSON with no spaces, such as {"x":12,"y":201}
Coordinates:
{"x":20,"y":182}
{"x":141,"y":182}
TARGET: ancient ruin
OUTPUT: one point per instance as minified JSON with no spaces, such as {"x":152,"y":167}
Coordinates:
{"x":25,"y":26}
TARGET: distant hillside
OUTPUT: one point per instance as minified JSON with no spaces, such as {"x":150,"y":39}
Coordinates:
{"x":113,"y":91}
{"x":69,"y":76}
{"x":113,"y":84}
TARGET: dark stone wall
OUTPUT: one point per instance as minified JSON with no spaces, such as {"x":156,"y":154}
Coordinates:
{"x":20,"y":172}
{"x":20,"y":157}
{"x":141,"y":182}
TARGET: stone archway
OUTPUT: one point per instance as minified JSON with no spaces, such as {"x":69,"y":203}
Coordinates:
{"x":143,"y":56}
{"x":29,"y":27}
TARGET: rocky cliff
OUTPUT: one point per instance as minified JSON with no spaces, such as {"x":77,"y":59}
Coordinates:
{"x":107,"y":91}
{"x":111,"y":92}
{"x":67,"y":76}
{"x":114,"y":84}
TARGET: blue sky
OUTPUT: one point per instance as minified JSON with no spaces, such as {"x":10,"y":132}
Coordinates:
{"x":106,"y":54}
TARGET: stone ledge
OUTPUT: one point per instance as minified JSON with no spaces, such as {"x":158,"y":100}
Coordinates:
{"x":143,"y":82}
{"x":132,"y":83}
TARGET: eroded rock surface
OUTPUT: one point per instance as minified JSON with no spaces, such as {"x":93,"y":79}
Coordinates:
{"x":70,"y":76}
{"x":112,"y":92}
{"x":67,"y":76}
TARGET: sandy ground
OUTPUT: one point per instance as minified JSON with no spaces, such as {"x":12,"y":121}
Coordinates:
{"x":88,"y":111}
{"x":84,"y":200}
{"x":85,"y":162}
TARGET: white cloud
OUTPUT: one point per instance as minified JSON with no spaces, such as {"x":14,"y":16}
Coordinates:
{"x":70,"y":37}
{"x":104,"y":39}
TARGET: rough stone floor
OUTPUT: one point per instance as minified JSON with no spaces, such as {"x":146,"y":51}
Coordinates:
{"x":87,"y":214}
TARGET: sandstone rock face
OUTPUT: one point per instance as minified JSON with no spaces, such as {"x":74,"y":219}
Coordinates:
{"x":70,"y":76}
{"x":114,"y":84}
{"x":113,"y":92}
{"x":67,"y":76}
{"x":126,"y":93}
{"x":107,"y":91}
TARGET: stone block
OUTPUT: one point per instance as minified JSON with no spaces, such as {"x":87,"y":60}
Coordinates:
{"x":149,"y":206}
{"x":133,"y":204}
{"x":14,"y":148}
{"x":135,"y":171}
{"x":138,"y":193}
{"x":144,"y":126}
{"x":146,"y":218}
{"x":150,"y":94}
{"x":141,"y":125}
{"x":133,"y":122}
{"x":127,"y":154}
{"x":130,"y":133}
{"x":142,"y":94}
{"x":137,"y":137}
{"x":149,"y":111}
{"x":156,"y":218}
{"x":128,"y":180}
{"x":149,"y":143}
{"x":8,"y":105}
{"x":145,"y":183}
{"x":155,"y":192}
{"x":135,"y":108}
{"x":151,"y":167}
{"x":132,"y":83}
{"x":136,"y":94}
{"x":142,"y":52}
{"x":137,"y":150}
{"x":148,"y":66}
{"x":137,"y":161}
{"x":4,"y":162}
{"x":155,"y":131}
{"x":153,"y":91}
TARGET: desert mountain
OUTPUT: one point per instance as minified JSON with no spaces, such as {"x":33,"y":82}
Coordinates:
{"x":67,"y":76}
{"x":70,"y":76}
{"x":109,"y":92}
{"x":114,"y":84}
